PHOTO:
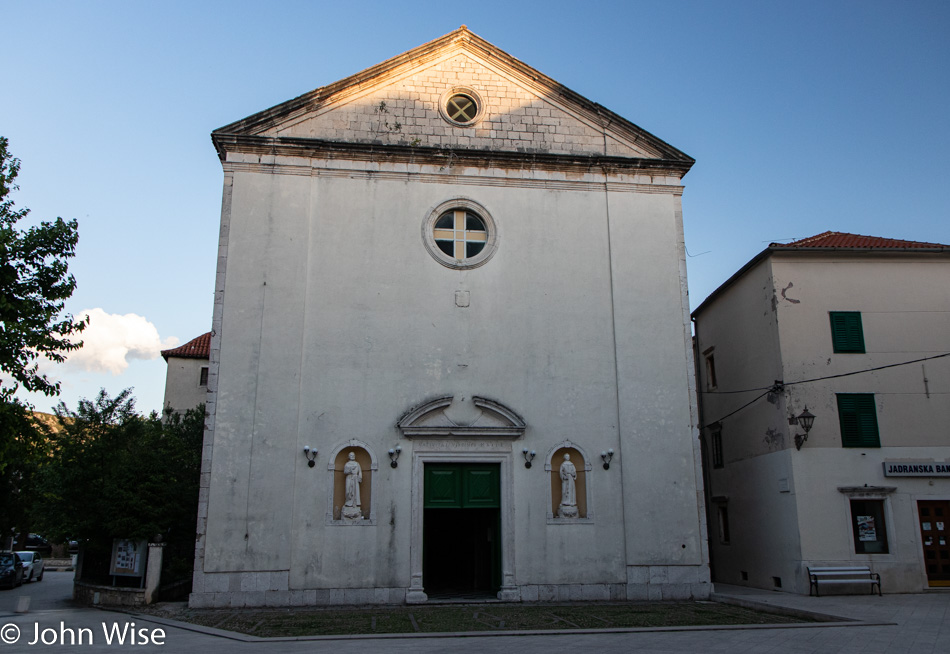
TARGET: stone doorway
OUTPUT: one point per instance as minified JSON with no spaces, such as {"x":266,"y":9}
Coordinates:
{"x":474,"y":434}
{"x":461,"y":538}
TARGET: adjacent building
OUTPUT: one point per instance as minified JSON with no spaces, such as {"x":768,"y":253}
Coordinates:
{"x":186,"y":380}
{"x":451,"y":351}
{"x":855,"y":330}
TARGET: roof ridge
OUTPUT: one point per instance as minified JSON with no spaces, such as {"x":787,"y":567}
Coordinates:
{"x":833,"y":239}
{"x":805,"y":240}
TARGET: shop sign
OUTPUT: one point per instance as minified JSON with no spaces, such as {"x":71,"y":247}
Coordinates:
{"x":916,"y":469}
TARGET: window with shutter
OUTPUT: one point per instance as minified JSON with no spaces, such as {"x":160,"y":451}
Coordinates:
{"x":847,"y":334}
{"x":716,"y":432}
{"x":857,"y":415}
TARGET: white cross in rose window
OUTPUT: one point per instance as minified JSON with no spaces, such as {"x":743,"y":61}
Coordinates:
{"x":460,"y":234}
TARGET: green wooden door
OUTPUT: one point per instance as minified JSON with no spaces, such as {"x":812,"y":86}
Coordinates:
{"x":443,"y":487}
{"x":462,"y":486}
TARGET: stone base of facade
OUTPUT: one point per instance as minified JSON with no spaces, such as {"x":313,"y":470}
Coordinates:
{"x":668,"y":582}
{"x":320,"y":597}
{"x":644,"y":583}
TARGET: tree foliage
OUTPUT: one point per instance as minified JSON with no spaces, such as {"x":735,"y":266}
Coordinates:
{"x":116,"y":474}
{"x":34,"y":285}
{"x":24,"y":449}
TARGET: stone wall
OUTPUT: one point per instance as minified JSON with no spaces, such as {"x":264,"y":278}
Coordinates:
{"x":85,"y":593}
{"x":515,"y":116}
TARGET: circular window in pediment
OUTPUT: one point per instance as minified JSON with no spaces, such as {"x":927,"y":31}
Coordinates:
{"x":461,"y":106}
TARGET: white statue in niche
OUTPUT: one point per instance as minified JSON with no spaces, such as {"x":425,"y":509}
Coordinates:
{"x":568,"y":506}
{"x":353,"y":475}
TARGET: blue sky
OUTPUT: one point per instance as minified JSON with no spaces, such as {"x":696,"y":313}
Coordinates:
{"x":802,"y":116}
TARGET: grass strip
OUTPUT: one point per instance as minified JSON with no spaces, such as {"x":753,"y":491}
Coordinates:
{"x":309,"y":621}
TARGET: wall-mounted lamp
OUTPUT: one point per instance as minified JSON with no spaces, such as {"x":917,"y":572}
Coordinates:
{"x":805,"y":420}
{"x":528,"y":456}
{"x":394,"y":456}
{"x":310,"y":454}
{"x":607,"y":456}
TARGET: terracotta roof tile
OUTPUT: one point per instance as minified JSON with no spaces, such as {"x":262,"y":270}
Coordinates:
{"x":845,"y":240}
{"x":196,"y":348}
{"x":840,"y":241}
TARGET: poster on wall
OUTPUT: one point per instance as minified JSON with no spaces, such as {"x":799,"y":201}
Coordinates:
{"x":866,"y":530}
{"x":128,"y":557}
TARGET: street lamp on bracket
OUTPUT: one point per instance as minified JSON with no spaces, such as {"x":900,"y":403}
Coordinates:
{"x":805,"y":420}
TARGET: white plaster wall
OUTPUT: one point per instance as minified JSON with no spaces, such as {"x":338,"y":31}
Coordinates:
{"x":763,"y":523}
{"x":782,"y":305}
{"x":336,"y":321}
{"x":905,"y":310}
{"x":659,"y":441}
{"x":182,"y":391}
{"x":741,"y":327}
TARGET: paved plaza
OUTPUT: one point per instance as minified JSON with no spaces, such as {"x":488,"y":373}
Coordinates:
{"x":917,"y":624}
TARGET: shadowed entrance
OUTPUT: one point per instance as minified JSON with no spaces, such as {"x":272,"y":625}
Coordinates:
{"x":461,"y":530}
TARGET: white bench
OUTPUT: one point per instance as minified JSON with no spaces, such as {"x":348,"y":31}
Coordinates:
{"x":857,"y":574}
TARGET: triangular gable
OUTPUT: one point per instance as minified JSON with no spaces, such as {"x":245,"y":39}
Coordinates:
{"x":398,"y":102}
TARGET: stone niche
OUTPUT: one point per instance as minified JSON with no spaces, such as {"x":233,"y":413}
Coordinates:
{"x":582,"y":466}
{"x":335,"y":468}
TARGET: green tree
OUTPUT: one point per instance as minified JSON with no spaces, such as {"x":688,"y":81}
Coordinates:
{"x":34,"y":285}
{"x":114,"y":473}
{"x":26,"y":449}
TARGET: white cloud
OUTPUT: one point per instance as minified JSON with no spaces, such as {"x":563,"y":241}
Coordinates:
{"x":111,"y":340}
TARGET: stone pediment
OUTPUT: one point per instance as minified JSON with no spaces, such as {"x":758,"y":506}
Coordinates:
{"x":475,"y":417}
{"x":402,"y":103}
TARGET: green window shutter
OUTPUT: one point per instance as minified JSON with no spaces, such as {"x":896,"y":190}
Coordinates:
{"x":847,"y":333}
{"x":867,"y":419}
{"x":857,"y":416}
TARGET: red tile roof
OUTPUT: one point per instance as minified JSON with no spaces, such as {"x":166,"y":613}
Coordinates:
{"x":845,"y":240}
{"x":196,"y":348}
{"x":830,"y":241}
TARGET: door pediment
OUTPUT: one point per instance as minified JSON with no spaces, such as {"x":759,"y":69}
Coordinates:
{"x":447,"y":417}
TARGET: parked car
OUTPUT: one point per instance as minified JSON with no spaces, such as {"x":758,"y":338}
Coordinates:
{"x":11,"y":570}
{"x":33,"y":565}
{"x":34,"y":543}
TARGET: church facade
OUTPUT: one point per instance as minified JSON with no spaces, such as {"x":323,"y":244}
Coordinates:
{"x":451,"y":353}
